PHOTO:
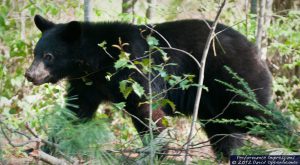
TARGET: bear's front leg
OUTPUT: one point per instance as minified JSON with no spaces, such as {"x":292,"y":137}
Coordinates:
{"x":140,"y":119}
{"x":83,"y":99}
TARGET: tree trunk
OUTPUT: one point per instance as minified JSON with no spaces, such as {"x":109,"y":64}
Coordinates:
{"x":267,"y":20}
{"x":87,"y":10}
{"x":4,"y":2}
{"x":128,"y":7}
{"x":281,"y":6}
{"x":260,"y":25}
{"x":264,"y":19}
{"x":246,"y":18}
{"x":253,"y":6}
{"x":23,"y":25}
{"x":150,"y":9}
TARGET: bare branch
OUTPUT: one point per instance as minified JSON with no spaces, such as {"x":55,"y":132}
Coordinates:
{"x":185,"y":52}
{"x":223,"y":111}
{"x":201,"y":79}
{"x":152,"y":152}
{"x":36,"y":140}
{"x":13,"y":130}
{"x":172,"y":48}
{"x":161,"y":36}
{"x":139,"y":71}
{"x":136,"y":118}
{"x":18,"y":144}
{"x":170,"y":88}
{"x":40,"y":155}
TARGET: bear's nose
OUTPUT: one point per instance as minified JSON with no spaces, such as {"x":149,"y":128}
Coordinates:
{"x":29,"y":75}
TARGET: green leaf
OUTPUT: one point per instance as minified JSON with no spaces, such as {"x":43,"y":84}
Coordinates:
{"x":124,"y":88}
{"x":121,"y":63}
{"x":163,"y":73}
{"x":156,"y":105}
{"x":2,"y":21}
{"x":165,"y":121}
{"x":164,"y":55}
{"x":124,"y":54}
{"x":87,"y":81}
{"x":108,"y":76}
{"x":138,"y":89}
{"x":119,"y":106}
{"x":146,"y":62}
{"x":185,"y":84}
{"x":200,"y":86}
{"x":102,"y":44}
{"x":152,"y":41}
{"x":174,"y":80}
{"x":165,"y":102}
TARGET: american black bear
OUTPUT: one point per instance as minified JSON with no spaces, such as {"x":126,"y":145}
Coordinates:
{"x":71,"y":51}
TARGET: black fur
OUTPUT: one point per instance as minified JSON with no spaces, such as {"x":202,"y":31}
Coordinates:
{"x":76,"y":51}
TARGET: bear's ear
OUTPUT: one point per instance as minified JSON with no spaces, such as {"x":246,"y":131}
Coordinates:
{"x":72,"y":31}
{"x":42,"y":24}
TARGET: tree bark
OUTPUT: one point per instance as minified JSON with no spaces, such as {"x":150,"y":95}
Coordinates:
{"x":260,"y":24}
{"x":87,"y":10}
{"x":128,"y":7}
{"x":267,"y":21}
{"x":40,"y":155}
{"x":282,"y":6}
{"x":150,"y":9}
{"x":4,"y":2}
{"x":253,"y":6}
{"x":246,"y":10}
{"x":23,"y":25}
{"x":264,"y":19}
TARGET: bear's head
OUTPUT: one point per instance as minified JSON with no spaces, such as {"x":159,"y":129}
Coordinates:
{"x":55,"y":52}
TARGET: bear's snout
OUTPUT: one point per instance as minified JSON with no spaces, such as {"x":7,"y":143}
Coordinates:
{"x":37,"y":73}
{"x":29,"y":75}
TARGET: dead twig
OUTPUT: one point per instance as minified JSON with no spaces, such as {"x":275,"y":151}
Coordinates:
{"x":40,"y":155}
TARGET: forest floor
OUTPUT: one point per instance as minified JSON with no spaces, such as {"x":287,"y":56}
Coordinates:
{"x":180,"y":132}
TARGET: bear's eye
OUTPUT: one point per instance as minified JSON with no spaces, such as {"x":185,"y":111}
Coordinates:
{"x":48,"y":57}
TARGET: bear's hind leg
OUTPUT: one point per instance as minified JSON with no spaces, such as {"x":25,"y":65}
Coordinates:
{"x":141,"y":124}
{"x":223,"y":138}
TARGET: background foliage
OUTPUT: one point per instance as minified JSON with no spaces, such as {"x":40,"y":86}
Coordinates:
{"x":21,"y":102}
